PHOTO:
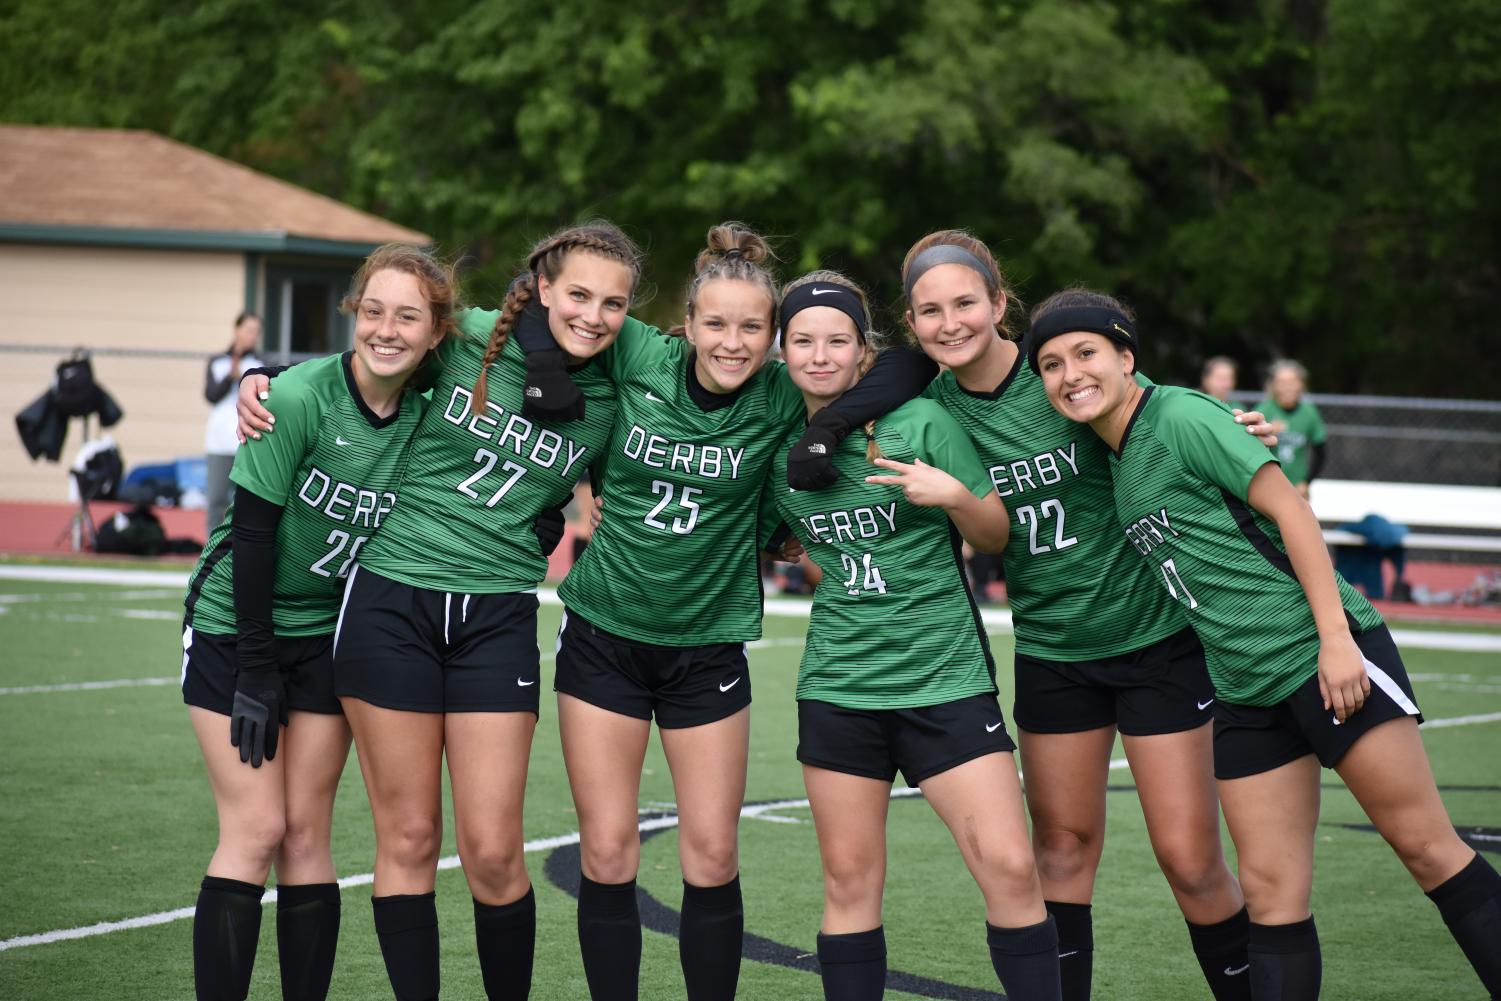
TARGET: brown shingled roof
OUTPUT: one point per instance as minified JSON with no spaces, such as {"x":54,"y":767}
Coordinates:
{"x":140,"y":180}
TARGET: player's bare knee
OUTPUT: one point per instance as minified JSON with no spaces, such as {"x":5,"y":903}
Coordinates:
{"x":412,"y":842}
{"x":1012,"y":874}
{"x":612,"y":859}
{"x":710,"y":861}
{"x":496,"y":869}
{"x":304,"y":843}
{"x":851,"y":881}
{"x":1064,"y":854}
{"x":1191,"y":868}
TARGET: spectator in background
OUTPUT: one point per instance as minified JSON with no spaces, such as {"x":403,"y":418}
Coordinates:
{"x":219,"y":439}
{"x":1217,"y":378}
{"x":1297,"y":422}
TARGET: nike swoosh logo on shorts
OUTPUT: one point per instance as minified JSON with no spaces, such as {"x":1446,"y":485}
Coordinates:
{"x":339,"y":441}
{"x":654,"y":397}
{"x":1065,"y":955}
{"x":524,"y":684}
{"x":732,"y":684}
{"x":1235,"y":973}
{"x":1205,"y":705}
{"x":993,"y":727}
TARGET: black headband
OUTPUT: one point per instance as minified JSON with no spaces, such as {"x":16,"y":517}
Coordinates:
{"x":821,"y":294}
{"x":947,"y":253}
{"x":1102,"y":320}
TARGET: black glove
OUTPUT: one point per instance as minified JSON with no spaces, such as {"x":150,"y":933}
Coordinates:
{"x":810,"y":462}
{"x":550,"y":393}
{"x":260,"y":709}
{"x":549,"y":528}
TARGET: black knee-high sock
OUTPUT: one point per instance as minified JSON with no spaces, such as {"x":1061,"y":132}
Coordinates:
{"x":1222,"y":950}
{"x":1026,"y":960}
{"x":226,"y":928}
{"x":1075,"y":948}
{"x":712,"y":926}
{"x":610,"y":939}
{"x":307,"y":933}
{"x":506,"y":935}
{"x":407,"y":926}
{"x":1285,"y":961}
{"x":853,"y":965}
{"x":1470,"y":904}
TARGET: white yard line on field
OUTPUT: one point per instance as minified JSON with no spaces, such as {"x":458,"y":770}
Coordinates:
{"x":998,"y":619}
{"x":87,"y":686}
{"x":755,"y":811}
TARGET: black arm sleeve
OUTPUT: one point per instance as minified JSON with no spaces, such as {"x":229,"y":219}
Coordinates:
{"x":269,"y":371}
{"x":533,"y":337}
{"x":1316,"y":459}
{"x":253,"y":526}
{"x":215,"y":390}
{"x":898,"y":375}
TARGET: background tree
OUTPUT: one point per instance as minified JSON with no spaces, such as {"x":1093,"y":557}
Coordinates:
{"x":1259,"y":177}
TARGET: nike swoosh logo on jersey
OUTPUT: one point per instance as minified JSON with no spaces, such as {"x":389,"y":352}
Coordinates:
{"x":732,"y":684}
{"x":339,"y":441}
{"x":654,"y":397}
{"x":1235,"y":973}
{"x":1205,"y":705}
{"x":524,"y":684}
{"x":824,"y":291}
{"x":993,"y":727}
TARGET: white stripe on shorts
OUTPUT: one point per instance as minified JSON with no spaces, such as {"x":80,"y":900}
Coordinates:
{"x":1393,"y":690}
{"x":561,"y":626}
{"x":187,"y":641}
{"x":344,"y":603}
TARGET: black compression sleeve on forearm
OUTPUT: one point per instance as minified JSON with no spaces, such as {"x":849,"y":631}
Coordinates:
{"x":534,"y":337}
{"x":898,"y":375}
{"x":269,"y":371}
{"x":1316,"y":459}
{"x":254,"y":525}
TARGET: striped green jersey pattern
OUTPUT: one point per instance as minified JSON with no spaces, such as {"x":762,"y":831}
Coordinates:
{"x":675,"y":560}
{"x":333,"y":466}
{"x":478,"y":477}
{"x":1181,"y":482}
{"x":892,"y":625}
{"x":1076,"y":590}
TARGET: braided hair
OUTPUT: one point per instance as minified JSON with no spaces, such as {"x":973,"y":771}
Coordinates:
{"x":547,"y":259}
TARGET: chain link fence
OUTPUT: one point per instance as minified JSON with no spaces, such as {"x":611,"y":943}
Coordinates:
{"x":1408,"y":439}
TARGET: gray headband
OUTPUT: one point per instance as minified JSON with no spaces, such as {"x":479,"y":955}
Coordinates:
{"x":947,"y":253}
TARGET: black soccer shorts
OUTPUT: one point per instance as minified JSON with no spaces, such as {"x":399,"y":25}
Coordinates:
{"x":920,"y":742}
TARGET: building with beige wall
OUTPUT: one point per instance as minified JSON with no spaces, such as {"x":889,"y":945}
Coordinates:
{"x":143,"y":251}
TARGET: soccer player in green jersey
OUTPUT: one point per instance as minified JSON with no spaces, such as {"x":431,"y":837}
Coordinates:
{"x":1301,"y":438}
{"x":1305,"y":672}
{"x":1099,"y":651}
{"x":896,"y":674}
{"x":260,"y":625}
{"x":436,"y":656}
{"x":660,"y":607}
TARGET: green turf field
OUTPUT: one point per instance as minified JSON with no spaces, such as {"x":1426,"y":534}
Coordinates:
{"x":108,"y":818}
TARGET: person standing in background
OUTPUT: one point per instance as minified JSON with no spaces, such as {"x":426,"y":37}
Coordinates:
{"x":1297,"y":422}
{"x":219,"y":438}
{"x":1217,"y":378}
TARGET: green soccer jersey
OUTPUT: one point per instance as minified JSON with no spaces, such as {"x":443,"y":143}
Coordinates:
{"x":892,"y":626}
{"x":675,"y":561}
{"x":1076,"y":590}
{"x":1304,"y":428}
{"x":333,"y":466}
{"x":1181,"y":481}
{"x":476,"y":481}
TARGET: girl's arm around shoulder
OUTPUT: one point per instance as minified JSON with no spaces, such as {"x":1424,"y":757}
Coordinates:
{"x":1342,"y":676}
